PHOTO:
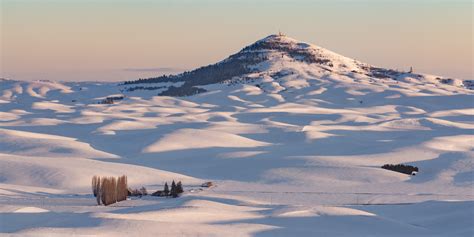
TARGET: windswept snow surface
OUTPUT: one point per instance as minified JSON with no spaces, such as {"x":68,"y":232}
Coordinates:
{"x":294,"y":147}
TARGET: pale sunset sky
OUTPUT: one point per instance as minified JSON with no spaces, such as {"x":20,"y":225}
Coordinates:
{"x":78,"y":40}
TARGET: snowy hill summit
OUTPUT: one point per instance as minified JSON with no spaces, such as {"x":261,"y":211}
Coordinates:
{"x":279,"y":57}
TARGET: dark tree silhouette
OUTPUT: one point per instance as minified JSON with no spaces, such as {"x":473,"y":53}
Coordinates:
{"x":173,"y":191}
{"x":166,"y":190}
{"x":179,"y":187}
{"x":406,"y":169}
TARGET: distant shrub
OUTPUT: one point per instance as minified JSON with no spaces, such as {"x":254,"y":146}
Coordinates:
{"x":468,"y":84}
{"x":207,"y":184}
{"x":143,"y":191}
{"x":159,"y":193}
{"x":447,"y":81}
{"x":137,"y":192}
{"x":406,"y":169}
{"x":110,"y":100}
{"x":134,"y":192}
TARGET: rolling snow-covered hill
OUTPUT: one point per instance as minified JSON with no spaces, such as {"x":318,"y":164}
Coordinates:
{"x":292,"y":134}
{"x":277,"y":58}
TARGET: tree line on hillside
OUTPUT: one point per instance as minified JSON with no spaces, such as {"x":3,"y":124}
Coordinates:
{"x":110,"y":100}
{"x":406,"y":169}
{"x":235,"y":66}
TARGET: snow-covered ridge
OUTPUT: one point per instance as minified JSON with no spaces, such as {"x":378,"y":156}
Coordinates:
{"x":277,"y":56}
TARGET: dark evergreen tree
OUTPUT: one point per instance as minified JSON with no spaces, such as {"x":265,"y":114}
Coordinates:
{"x":179,"y":188}
{"x":173,"y":191}
{"x":166,"y":190}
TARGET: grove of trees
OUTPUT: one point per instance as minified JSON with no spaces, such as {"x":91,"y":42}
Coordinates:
{"x":175,"y":191}
{"x":109,"y":190}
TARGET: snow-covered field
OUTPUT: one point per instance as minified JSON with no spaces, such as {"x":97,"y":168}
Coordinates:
{"x":294,"y":149}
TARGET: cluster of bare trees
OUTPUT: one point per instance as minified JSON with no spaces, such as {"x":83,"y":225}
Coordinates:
{"x":138,"y":192}
{"x":109,"y":190}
